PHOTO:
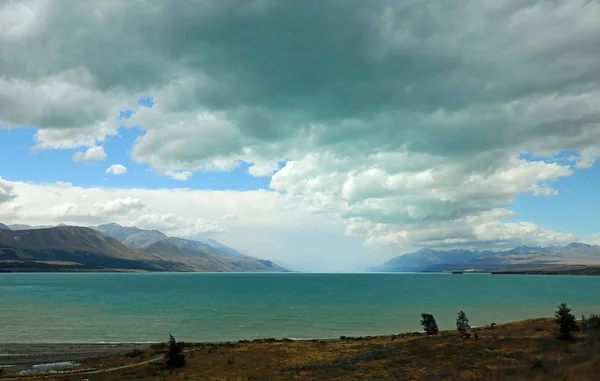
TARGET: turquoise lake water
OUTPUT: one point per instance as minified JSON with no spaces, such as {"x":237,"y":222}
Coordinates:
{"x":110,"y":307}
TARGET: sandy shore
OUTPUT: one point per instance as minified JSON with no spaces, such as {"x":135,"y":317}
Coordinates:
{"x":16,"y":357}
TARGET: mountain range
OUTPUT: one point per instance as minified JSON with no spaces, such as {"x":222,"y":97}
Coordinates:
{"x":521,"y":258}
{"x":112,"y":247}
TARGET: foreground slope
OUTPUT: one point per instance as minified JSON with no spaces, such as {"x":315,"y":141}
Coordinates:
{"x":526,"y":350}
{"x":73,"y":248}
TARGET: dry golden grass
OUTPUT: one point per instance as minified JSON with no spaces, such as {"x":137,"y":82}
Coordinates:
{"x":525,"y":350}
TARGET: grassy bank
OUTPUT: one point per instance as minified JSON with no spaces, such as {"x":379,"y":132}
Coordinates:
{"x":522,"y":350}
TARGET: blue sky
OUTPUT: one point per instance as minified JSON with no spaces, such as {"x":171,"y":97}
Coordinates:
{"x":48,"y":165}
{"x":575,"y":208}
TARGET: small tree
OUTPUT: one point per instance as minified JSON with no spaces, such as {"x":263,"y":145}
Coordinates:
{"x":174,"y":358}
{"x":566,"y":321}
{"x":429,"y":324}
{"x":462,"y":323}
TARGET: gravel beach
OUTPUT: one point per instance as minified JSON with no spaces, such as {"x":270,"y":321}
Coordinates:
{"x":16,"y":357}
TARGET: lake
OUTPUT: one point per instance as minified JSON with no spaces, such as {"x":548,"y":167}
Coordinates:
{"x":115,"y":307}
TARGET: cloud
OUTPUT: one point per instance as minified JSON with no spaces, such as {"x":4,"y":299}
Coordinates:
{"x":117,"y":169}
{"x":480,"y":231}
{"x":95,"y":153}
{"x":201,"y":228}
{"x":6,"y":191}
{"x":83,"y":210}
{"x":179,"y":175}
{"x":165,"y":209}
{"x":394,"y":116}
{"x":263,"y":169}
{"x":267,"y":224}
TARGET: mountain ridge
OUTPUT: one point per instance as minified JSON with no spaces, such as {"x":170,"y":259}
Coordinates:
{"x":200,"y":255}
{"x":520,"y":257}
{"x":72,"y":248}
{"x":117,"y":248}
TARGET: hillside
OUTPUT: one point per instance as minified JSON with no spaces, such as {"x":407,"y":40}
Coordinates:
{"x":112,"y":247}
{"x":73,"y":248}
{"x":132,"y":237}
{"x":520,"y":259}
{"x":525,"y":350}
{"x":205,"y":255}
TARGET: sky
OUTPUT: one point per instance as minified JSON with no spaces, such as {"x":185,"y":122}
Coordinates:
{"x":331,"y":136}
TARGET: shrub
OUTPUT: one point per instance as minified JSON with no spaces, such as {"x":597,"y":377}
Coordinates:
{"x":462,"y":323}
{"x":429,"y":324}
{"x":566,"y":321}
{"x":134,"y":353}
{"x":593,"y":322}
{"x":174,"y":358}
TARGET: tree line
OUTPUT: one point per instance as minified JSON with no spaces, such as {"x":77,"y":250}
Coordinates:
{"x":566,"y":321}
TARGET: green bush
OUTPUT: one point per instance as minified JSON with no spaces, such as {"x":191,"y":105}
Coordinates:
{"x":593,"y":322}
{"x":174,"y":358}
{"x":462,"y":323}
{"x":429,"y":324}
{"x":566,"y":321}
{"x":134,"y":353}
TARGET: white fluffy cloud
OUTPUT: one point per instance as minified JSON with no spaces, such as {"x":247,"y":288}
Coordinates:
{"x":84,"y":210}
{"x":94,"y":153}
{"x":6,"y":191}
{"x":396,"y":118}
{"x":263,"y":169}
{"x":179,"y":175}
{"x":117,"y":169}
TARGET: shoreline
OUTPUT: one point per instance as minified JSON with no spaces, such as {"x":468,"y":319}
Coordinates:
{"x":506,"y":348}
{"x":16,"y":357}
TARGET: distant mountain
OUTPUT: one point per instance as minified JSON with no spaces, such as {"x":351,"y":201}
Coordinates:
{"x":521,"y":257}
{"x":4,"y":227}
{"x":28,"y":227}
{"x":426,"y":259}
{"x":73,"y":248}
{"x":131,"y":236}
{"x":201,"y":255}
{"x":284,"y":265}
{"x":220,"y":246}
